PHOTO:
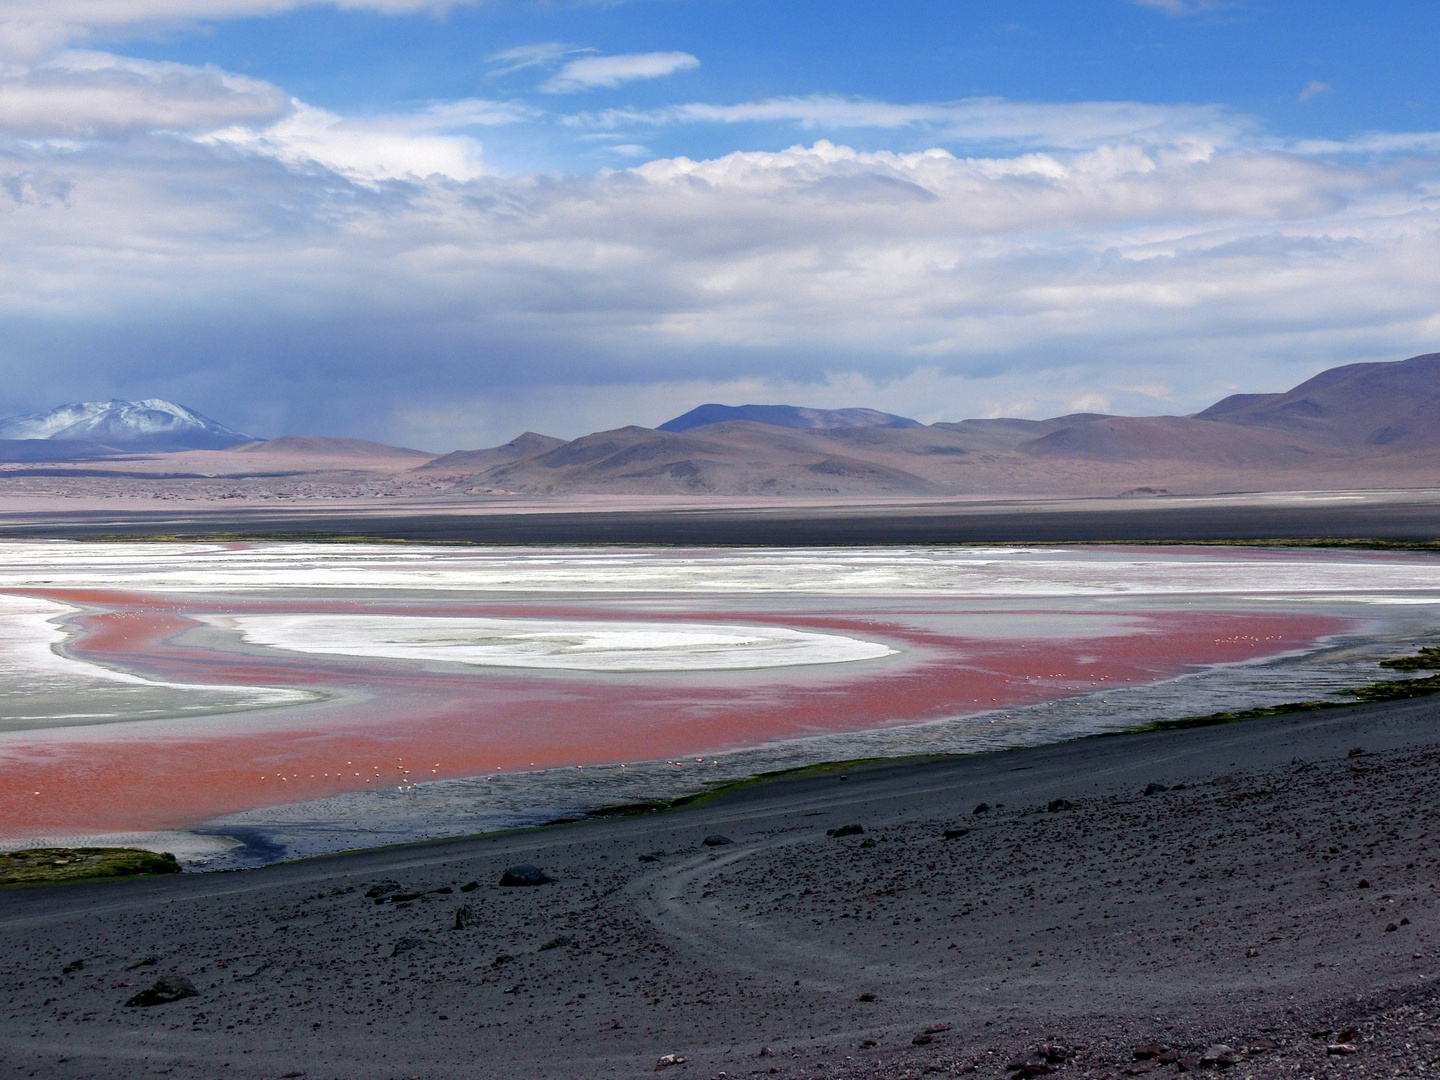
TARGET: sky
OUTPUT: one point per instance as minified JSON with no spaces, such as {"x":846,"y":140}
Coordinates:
{"x":440,"y":224}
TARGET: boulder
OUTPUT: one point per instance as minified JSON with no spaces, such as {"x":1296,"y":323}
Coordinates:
{"x":165,"y":989}
{"x":525,"y":874}
{"x":716,"y":840}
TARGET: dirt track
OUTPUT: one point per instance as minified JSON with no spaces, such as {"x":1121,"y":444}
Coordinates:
{"x":1228,"y":910}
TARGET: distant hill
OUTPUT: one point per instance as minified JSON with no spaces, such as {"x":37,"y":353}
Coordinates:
{"x":1358,"y":407}
{"x":1361,"y":425}
{"x":788,"y":416}
{"x":1371,"y":424}
{"x":152,"y":425}
{"x":519,"y":448}
{"x":320,"y":446}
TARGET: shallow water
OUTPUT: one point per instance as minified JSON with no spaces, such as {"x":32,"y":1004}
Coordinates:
{"x":418,"y":691}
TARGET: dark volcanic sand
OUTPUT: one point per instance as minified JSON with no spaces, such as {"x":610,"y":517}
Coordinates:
{"x":1229,"y":911}
{"x":1402,"y":516}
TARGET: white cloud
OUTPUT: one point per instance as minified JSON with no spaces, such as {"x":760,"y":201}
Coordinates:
{"x":589,"y":72}
{"x":521,"y":57}
{"x":1181,"y":8}
{"x":378,"y":148}
{"x":261,"y":266}
{"x":32,"y":28}
{"x":994,"y":120}
{"x":89,"y":95}
{"x":1314,"y":88}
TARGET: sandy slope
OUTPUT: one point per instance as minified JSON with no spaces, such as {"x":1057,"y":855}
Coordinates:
{"x":1227,"y":911}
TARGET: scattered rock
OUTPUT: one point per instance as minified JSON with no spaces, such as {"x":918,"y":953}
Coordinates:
{"x":1147,"y":1052}
{"x":149,"y":961}
{"x":383,"y":888}
{"x":844,"y":830}
{"x":1354,"y":751}
{"x":405,"y":944}
{"x":165,"y":989}
{"x":922,"y":1040}
{"x":1032,"y":1069}
{"x":765,"y":1051}
{"x":1261,"y":1046}
{"x":981,"y":808}
{"x":1337,"y":1048}
{"x":1349,"y":1035}
{"x":667,"y":1060}
{"x":1219,"y":1055}
{"x":653,"y":856}
{"x":503,"y":958}
{"x":1057,"y":805}
{"x":73,"y":965}
{"x":955,"y":834}
{"x":1390,"y":928}
{"x":470,"y":886}
{"x":555,"y":943}
{"x":936,"y":1029}
{"x":524,"y":874}
{"x":1364,"y":883}
{"x":399,"y":898}
{"x":866,"y":1044}
{"x":1155,"y":789}
{"x":464,"y":917}
{"x":866,"y":997}
{"x":716,"y":840}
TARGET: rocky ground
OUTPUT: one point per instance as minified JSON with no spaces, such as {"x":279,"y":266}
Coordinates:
{"x":1271,"y":912}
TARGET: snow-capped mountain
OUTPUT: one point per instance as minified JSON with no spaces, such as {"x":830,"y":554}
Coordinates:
{"x":152,"y":424}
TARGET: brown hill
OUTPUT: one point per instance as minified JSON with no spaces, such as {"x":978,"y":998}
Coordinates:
{"x":319,"y":446}
{"x":470,"y":462}
{"x":1363,"y":408}
{"x":1359,"y":425}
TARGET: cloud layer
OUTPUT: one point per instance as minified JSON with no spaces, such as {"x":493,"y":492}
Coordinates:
{"x":189,"y":233}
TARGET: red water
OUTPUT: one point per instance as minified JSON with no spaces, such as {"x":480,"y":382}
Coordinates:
{"x":413,"y":724}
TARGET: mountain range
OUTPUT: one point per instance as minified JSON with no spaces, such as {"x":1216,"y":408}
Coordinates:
{"x":1361,"y":425}
{"x":1374,"y":424}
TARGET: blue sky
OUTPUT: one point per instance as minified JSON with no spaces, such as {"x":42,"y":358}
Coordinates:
{"x":440,"y":224}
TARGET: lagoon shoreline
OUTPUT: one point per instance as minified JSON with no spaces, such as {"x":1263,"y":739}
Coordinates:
{"x":1089,"y":927}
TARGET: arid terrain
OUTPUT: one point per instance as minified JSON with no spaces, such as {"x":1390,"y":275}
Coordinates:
{"x":1270,"y":908}
{"x":1366,"y":426}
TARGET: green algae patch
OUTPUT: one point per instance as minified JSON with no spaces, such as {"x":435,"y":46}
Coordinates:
{"x":1427,"y":659}
{"x":45,"y":866}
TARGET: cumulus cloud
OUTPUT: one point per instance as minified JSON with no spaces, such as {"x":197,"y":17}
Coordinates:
{"x":288,"y":298}
{"x":589,"y":72}
{"x":429,"y":143}
{"x":183,"y":232}
{"x":89,"y":95}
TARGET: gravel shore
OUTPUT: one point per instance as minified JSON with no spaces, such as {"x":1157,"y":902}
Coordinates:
{"x":1270,"y":912}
